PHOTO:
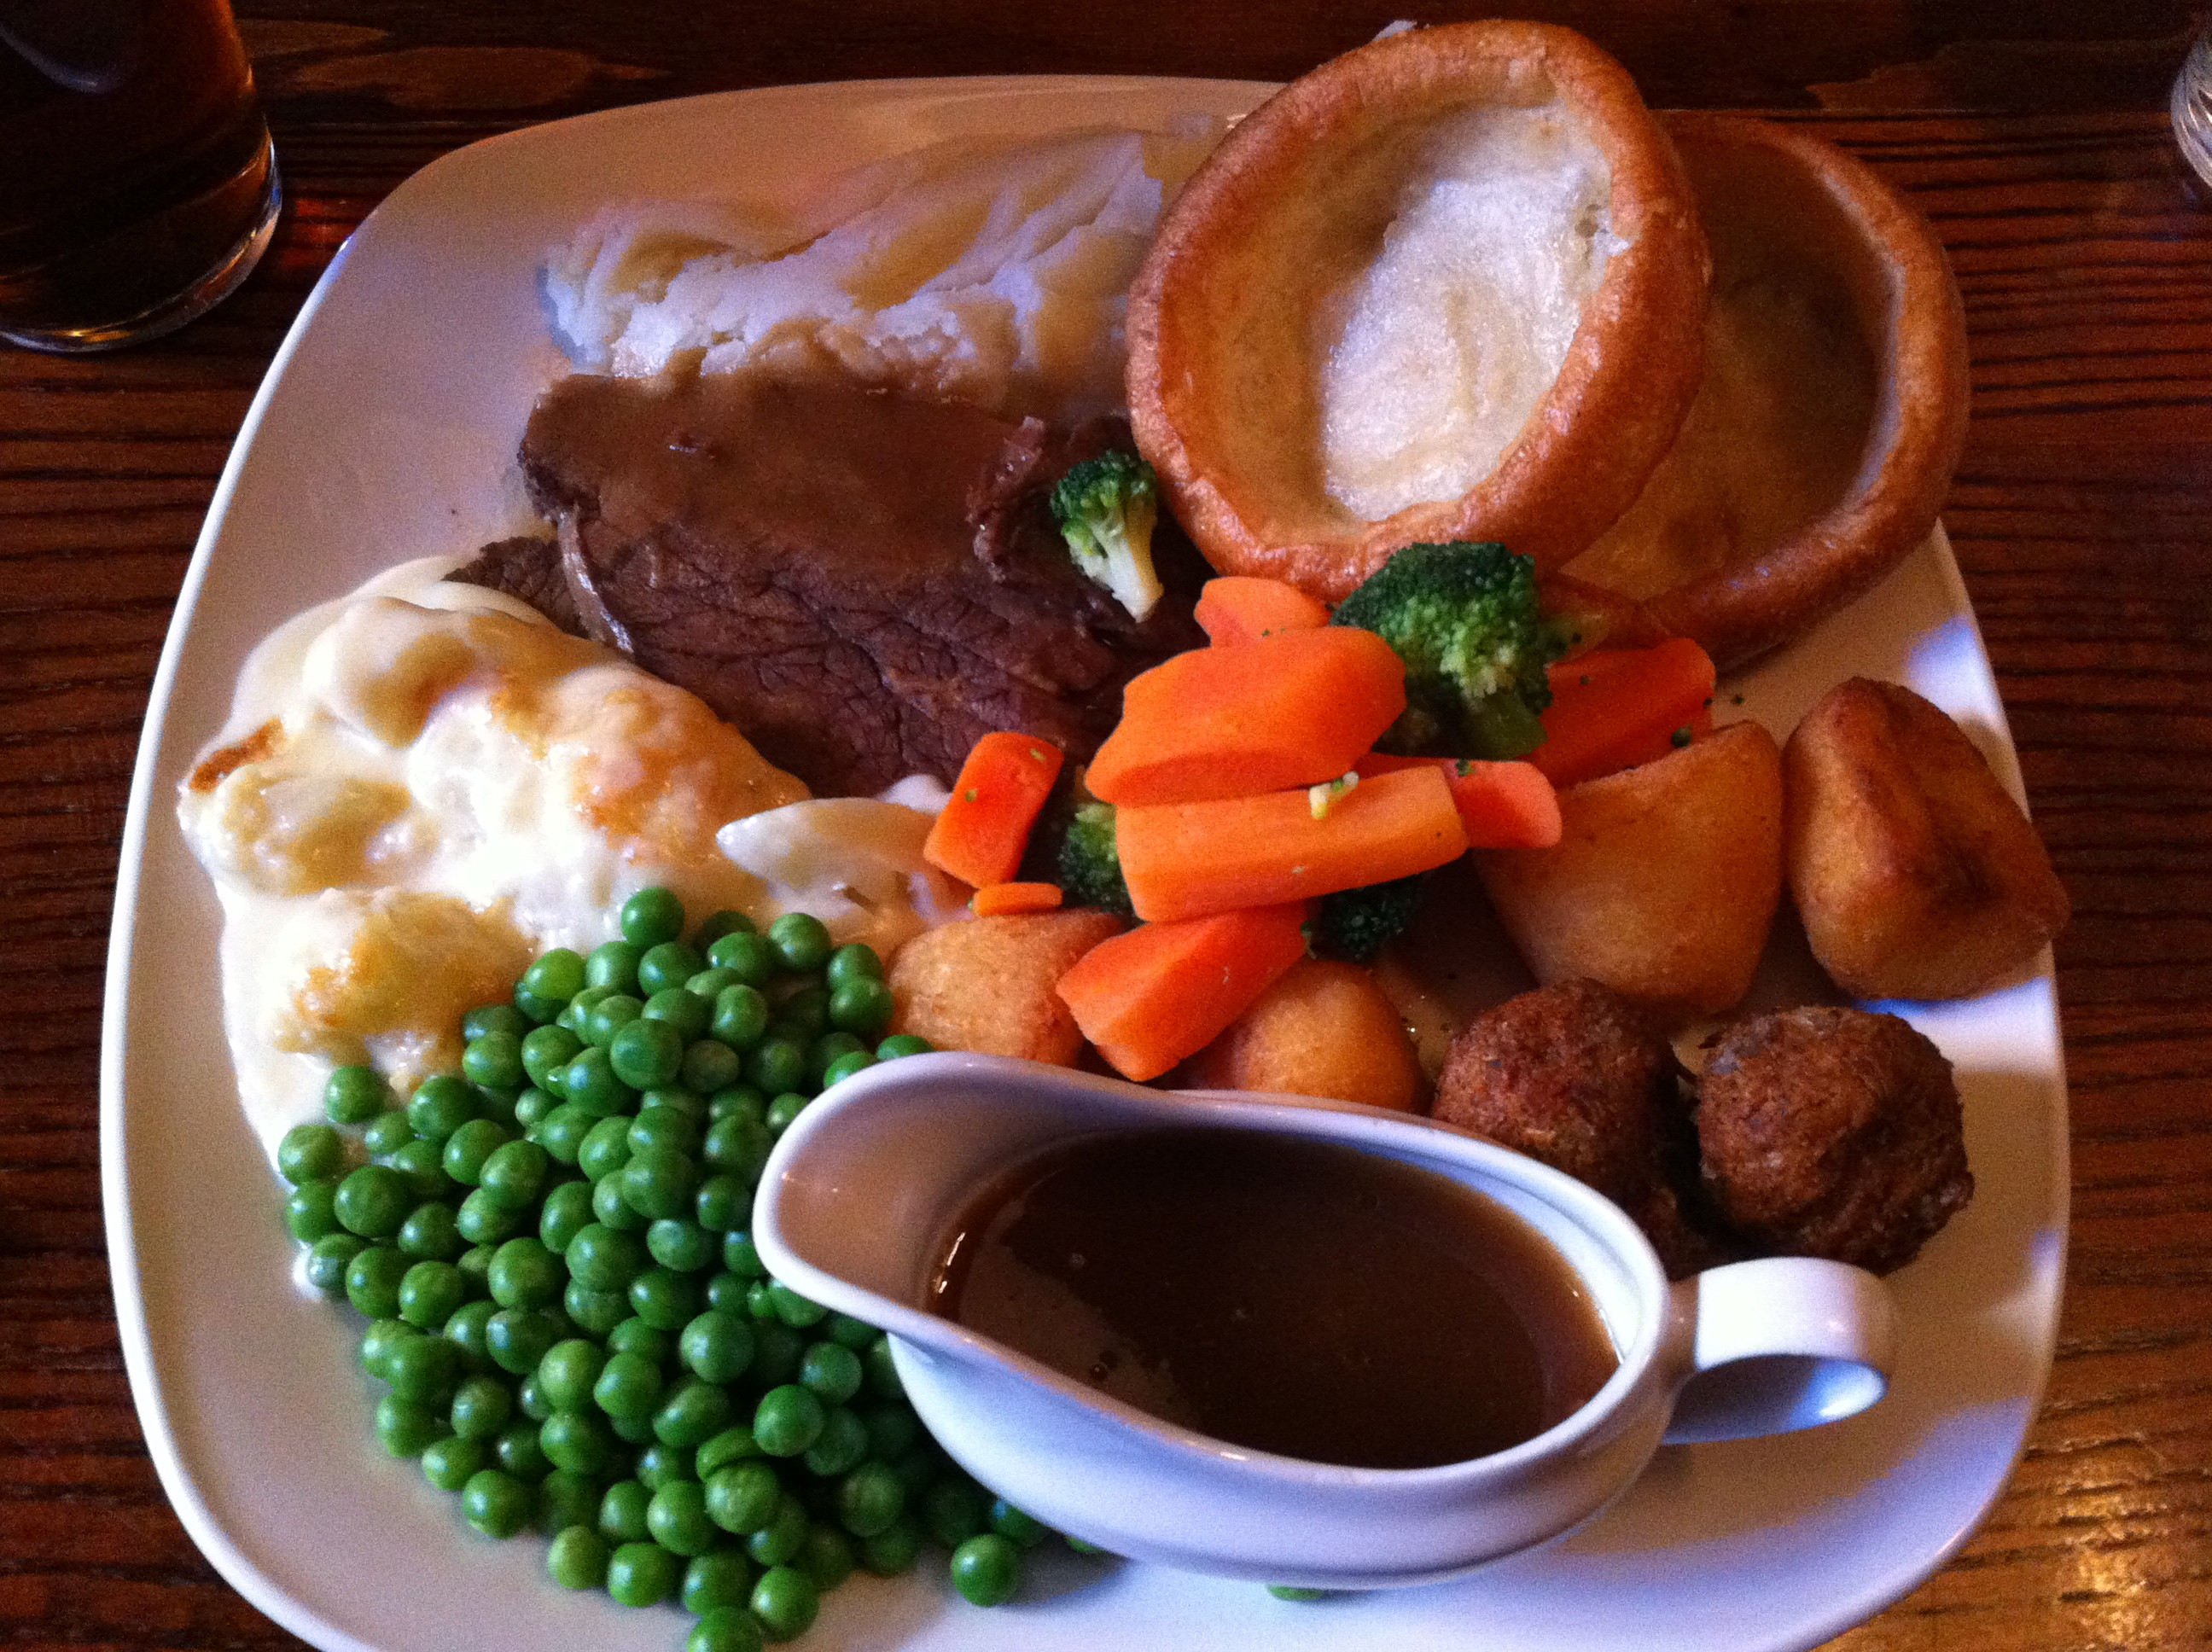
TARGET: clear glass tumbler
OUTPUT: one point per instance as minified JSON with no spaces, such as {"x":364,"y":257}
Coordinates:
{"x":2192,"y":106}
{"x":137,"y":185}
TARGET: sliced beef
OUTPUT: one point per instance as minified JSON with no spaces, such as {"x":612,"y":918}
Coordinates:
{"x":862,"y":583}
{"x":529,"y":569}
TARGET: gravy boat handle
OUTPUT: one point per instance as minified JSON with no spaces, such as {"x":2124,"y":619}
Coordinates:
{"x":1776,"y":1344}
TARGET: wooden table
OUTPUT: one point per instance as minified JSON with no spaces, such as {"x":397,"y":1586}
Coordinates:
{"x":2034,"y":133}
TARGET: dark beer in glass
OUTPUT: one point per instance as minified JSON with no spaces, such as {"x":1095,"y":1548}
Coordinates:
{"x":136,"y":183}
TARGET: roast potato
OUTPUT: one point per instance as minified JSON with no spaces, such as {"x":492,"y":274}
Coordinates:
{"x":1323,"y":1028}
{"x":986,"y":984}
{"x":1916,"y":874}
{"x":1664,"y":881}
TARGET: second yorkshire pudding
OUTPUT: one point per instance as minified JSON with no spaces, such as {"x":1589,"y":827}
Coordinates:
{"x":1834,"y":403}
{"x":1445,"y":286}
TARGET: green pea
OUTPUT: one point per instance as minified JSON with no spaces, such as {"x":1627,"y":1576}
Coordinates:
{"x":777,"y":1350}
{"x":899,"y":1044}
{"x":518,"y":1338}
{"x":310,"y":1152}
{"x":678,"y":1099}
{"x":677,"y":1517}
{"x":440,"y":1105}
{"x":469,"y":1146}
{"x":644,"y":1054}
{"x":842,"y":1444}
{"x":605,"y":1258}
{"x":612,"y":1210}
{"x":469,"y":1330}
{"x":546,"y":1049}
{"x":893,"y":1428}
{"x":596,"y":1312}
{"x":793,"y":1310}
{"x":578,"y":1558}
{"x":608,"y":1017}
{"x":538,"y":1010}
{"x":651,"y":916}
{"x":372,"y":1201}
{"x":802,"y":941}
{"x":720,"y":1578}
{"x":310,"y":1211}
{"x":737,"y":1144}
{"x":710,"y":1066}
{"x":669,"y":964}
{"x":494,"y":1017}
{"x":475,"y":1262}
{"x":449,"y":1463}
{"x":372,"y":1281}
{"x":658,"y":1465}
{"x":530,"y":1398}
{"x":519,"y":1452}
{"x":354,"y":1095}
{"x":786,"y":1599}
{"x":567,"y":1372}
{"x":422,"y":1164}
{"x":406,"y":1428}
{"x":513,"y":1175}
{"x":643,"y":1574}
{"x":713,"y":927}
{"x":612,"y":968}
{"x":954,"y":1509}
{"x":708,"y":982}
{"x":826,"y":1556}
{"x":739,"y":1256}
{"x":831,"y":1371}
{"x":987,"y":1570}
{"x":883,"y":1370}
{"x":423,"y":1368}
{"x":663,"y":1126}
{"x":682,"y":1009}
{"x":845,"y":1067}
{"x":692,"y":1413}
{"x":429,"y":1292}
{"x":557,"y":974}
{"x":726,"y":1629}
{"x":523,"y":1273}
{"x":388,"y":1133}
{"x":752,"y":956}
{"x":681,"y":1246}
{"x":734,"y":1444}
{"x":665,"y":1299}
{"x":785,"y":1108}
{"x":590,"y":1082}
{"x":855,"y":962}
{"x":496,"y":1503}
{"x":861,"y":1007}
{"x":605,"y":1149}
{"x":622,"y":1512}
{"x":659,"y":1182}
{"x":629,"y":1385}
{"x":562,"y":1131}
{"x":532,"y":1108}
{"x":484,"y":1221}
{"x":741,"y":1017}
{"x":566,"y":1213}
{"x":849,"y":1333}
{"x":634,"y":1336}
{"x":1024,"y":1531}
{"x":483,"y":1406}
{"x":895,"y":1549}
{"x":789,"y":1420}
{"x":743,"y":1498}
{"x":567,"y":1497}
{"x":495,"y":1060}
{"x":826,"y":1050}
{"x":784,"y":1536}
{"x":870,"y":1500}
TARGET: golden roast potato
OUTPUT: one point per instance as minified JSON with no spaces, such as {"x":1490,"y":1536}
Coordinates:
{"x":1446,"y":286}
{"x":1323,"y":1028}
{"x":1664,"y":881}
{"x":986,"y":984}
{"x":1916,"y":873}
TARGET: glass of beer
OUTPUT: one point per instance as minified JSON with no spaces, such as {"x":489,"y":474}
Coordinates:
{"x":138,"y":187}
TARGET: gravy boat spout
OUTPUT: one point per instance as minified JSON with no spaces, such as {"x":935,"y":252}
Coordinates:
{"x":867,"y":1181}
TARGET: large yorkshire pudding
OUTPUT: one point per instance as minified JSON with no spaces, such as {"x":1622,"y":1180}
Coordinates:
{"x":1446,"y":286}
{"x":1822,"y":439}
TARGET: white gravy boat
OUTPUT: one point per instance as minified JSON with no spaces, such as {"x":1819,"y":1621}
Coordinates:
{"x":866,"y":1181}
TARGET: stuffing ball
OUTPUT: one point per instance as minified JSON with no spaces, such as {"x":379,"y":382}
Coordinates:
{"x":1835,"y":1132}
{"x":1577,"y":1076}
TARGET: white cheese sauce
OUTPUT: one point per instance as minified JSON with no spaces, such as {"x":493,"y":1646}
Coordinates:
{"x":424,"y":785}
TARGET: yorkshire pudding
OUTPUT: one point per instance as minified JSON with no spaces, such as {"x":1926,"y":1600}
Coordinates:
{"x":1445,"y":286}
{"x":1821,"y":442}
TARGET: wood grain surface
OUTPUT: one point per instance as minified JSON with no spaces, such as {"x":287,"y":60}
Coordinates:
{"x":2033,"y":134}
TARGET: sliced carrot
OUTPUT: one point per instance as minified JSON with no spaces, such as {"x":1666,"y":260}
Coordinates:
{"x":1617,"y":707}
{"x":1187,"y":859}
{"x":1285,"y":710}
{"x":1503,"y":805}
{"x":1161,"y":991}
{"x":1239,"y":609}
{"x":982,"y":830}
{"x":1011,"y":900}
{"x":1596,"y":617}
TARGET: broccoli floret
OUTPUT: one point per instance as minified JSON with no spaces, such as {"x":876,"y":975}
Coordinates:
{"x":1463,"y":617}
{"x":1353,"y":924}
{"x":1090,"y":867}
{"x":1107,"y":508}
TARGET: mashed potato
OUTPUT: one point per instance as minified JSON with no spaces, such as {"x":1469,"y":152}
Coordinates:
{"x":424,"y":786}
{"x":991,"y":273}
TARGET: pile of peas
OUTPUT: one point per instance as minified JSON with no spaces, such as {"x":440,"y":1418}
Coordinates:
{"x":574,"y":1329}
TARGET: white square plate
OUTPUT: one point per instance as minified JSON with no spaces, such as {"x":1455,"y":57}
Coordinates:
{"x":385,"y":430}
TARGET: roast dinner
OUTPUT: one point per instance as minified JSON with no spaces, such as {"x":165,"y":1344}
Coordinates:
{"x":1120,"y":600}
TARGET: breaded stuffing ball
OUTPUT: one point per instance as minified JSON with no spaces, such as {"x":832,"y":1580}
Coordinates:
{"x":1832,"y":1132}
{"x":1577,"y":1076}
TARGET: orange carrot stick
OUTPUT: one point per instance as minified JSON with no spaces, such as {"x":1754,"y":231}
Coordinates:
{"x":1239,"y":609}
{"x":1503,"y":805}
{"x":1157,"y":994}
{"x":1011,"y":900}
{"x":1187,"y":859}
{"x":1285,"y":710}
{"x":982,"y":830}
{"x":1620,"y":706}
